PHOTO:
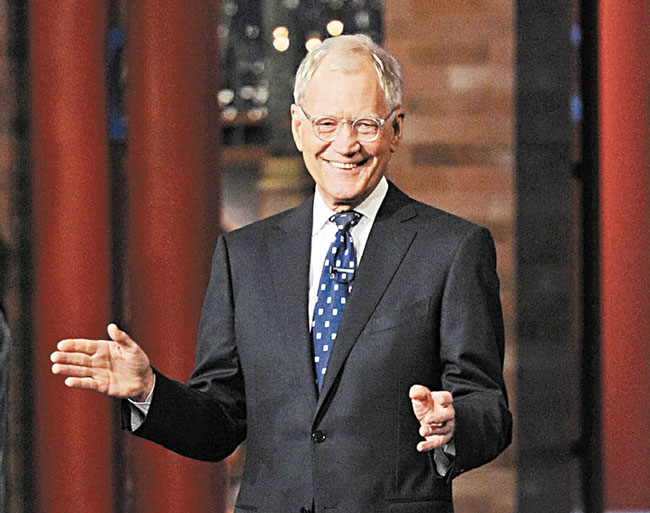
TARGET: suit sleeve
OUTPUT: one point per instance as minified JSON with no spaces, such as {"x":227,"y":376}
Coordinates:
{"x":472,"y":352}
{"x":205,"y":419}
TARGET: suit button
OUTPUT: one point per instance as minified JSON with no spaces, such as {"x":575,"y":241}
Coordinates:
{"x":305,"y":510}
{"x":318,"y":437}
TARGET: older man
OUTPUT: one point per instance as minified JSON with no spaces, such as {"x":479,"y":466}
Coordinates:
{"x":355,"y":342}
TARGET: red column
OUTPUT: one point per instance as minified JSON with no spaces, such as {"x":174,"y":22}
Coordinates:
{"x":172,"y":113}
{"x":73,"y":429}
{"x":625,"y":231}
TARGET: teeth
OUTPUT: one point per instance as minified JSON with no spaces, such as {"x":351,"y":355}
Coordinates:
{"x":341,"y":165}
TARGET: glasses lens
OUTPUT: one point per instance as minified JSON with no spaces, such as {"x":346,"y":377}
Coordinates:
{"x":366,"y":128}
{"x":326,"y":128}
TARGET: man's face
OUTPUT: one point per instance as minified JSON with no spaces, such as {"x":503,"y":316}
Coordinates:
{"x":345,"y":169}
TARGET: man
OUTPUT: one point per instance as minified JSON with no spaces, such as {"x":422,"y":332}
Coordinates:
{"x":355,"y":342}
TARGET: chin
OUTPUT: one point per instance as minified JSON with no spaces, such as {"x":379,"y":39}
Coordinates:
{"x":350,"y":199}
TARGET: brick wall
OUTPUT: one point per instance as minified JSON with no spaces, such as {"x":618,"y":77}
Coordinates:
{"x":457,"y":154}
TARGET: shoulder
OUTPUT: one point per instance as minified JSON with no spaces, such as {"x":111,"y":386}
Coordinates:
{"x":427,"y":219}
{"x":457,"y":243}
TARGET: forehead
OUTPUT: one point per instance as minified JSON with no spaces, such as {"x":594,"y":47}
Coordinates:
{"x":345,"y":84}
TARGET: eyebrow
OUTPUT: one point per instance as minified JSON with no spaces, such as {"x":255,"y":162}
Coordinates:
{"x":365,"y":115}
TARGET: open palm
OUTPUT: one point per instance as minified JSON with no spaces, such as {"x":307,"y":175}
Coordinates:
{"x":116,"y":367}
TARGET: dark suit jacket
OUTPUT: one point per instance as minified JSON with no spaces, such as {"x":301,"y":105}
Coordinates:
{"x":425,"y":309}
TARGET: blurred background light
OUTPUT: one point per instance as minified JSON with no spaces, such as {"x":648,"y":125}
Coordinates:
{"x":229,"y":113}
{"x":281,"y":44}
{"x":335,"y":27}
{"x":225,"y":96}
{"x":312,"y":43}
{"x":281,"y":32}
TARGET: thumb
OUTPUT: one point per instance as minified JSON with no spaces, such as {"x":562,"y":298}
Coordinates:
{"x":421,"y":401}
{"x":117,"y":335}
{"x":420,"y":393}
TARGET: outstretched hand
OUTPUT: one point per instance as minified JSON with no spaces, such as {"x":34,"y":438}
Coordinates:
{"x":116,"y":367}
{"x":435,"y":412}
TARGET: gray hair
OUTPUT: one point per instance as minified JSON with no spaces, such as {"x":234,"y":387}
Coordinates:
{"x":357,"y":45}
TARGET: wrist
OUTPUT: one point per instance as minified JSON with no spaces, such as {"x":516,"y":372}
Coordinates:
{"x":148,"y":380}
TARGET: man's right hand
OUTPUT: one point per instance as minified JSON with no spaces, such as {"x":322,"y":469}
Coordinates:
{"x":116,"y":367}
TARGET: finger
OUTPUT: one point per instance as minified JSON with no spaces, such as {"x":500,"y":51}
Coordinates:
{"x":438,"y":416}
{"x":430,"y":430}
{"x":442,"y":409}
{"x":71,"y":358}
{"x":442,"y":398}
{"x":82,"y":383}
{"x":72,"y":370}
{"x":427,"y":431}
{"x":433,"y":443}
{"x":79,"y":345}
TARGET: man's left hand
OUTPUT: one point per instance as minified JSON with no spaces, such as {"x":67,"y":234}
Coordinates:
{"x":435,"y":412}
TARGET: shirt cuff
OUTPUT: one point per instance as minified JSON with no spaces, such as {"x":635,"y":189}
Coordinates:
{"x":444,"y":457}
{"x":140,"y":409}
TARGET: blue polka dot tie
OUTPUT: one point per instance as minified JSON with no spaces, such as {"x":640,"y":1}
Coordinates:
{"x":333,"y":290}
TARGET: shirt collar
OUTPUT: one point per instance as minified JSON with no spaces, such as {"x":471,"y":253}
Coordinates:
{"x":368,"y":207}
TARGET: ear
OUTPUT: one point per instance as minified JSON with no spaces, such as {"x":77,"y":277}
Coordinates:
{"x":296,"y":126}
{"x":398,"y":129}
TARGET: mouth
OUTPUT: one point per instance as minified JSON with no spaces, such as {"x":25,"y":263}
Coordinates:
{"x":346,"y":165}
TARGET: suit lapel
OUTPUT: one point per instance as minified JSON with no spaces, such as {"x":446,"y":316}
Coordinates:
{"x":289,"y":247}
{"x":387,"y":244}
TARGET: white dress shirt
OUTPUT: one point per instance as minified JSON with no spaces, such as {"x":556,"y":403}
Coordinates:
{"x":323,"y":232}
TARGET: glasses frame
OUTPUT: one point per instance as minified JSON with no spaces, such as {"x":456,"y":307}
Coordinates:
{"x":341,"y":122}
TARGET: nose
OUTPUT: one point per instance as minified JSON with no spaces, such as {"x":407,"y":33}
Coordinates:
{"x":346,"y":142}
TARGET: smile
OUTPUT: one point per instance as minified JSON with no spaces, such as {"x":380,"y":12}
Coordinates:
{"x":346,"y":165}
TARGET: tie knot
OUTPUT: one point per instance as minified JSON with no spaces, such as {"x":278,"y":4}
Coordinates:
{"x":346,"y":220}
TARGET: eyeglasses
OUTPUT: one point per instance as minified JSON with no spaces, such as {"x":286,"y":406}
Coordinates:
{"x":366,"y":129}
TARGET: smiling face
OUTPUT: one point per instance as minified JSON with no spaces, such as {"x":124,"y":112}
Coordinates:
{"x":346,"y":170}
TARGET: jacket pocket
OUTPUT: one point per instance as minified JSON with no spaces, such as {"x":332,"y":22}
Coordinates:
{"x":408,"y":315}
